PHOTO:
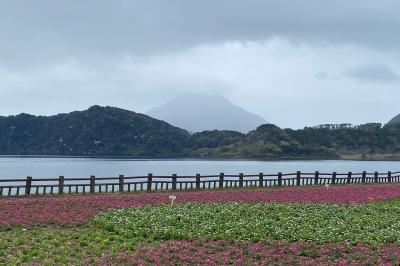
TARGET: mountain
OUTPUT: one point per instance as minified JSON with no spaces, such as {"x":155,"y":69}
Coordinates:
{"x":94,"y":132}
{"x":395,"y":120}
{"x":110,"y":131}
{"x":368,"y":141}
{"x":199,"y":112}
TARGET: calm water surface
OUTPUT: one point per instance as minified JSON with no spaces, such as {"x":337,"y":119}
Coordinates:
{"x":18,"y":167}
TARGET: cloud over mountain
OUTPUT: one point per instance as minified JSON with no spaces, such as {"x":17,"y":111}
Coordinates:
{"x":199,"y":112}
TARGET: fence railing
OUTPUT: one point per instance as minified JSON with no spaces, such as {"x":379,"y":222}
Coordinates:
{"x":62,"y":185}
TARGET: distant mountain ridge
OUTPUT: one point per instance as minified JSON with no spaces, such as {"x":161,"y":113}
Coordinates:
{"x":110,"y":131}
{"x":96,"y":131}
{"x":200,"y":112}
{"x":395,"y":120}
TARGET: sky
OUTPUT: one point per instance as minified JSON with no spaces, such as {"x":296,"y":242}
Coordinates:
{"x":294,"y":62}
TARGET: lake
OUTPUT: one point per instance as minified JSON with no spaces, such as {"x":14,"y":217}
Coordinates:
{"x":20,"y":167}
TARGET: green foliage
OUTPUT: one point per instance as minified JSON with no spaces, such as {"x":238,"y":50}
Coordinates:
{"x":126,"y":230}
{"x":215,"y":138}
{"x":96,"y":131}
{"x":368,"y":141}
{"x":108,"y":131}
{"x":59,"y":246}
{"x":320,"y":223}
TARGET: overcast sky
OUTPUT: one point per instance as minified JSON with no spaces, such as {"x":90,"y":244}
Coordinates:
{"x":294,"y":62}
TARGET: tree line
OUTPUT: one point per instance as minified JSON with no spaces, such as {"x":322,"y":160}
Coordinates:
{"x":109,"y":131}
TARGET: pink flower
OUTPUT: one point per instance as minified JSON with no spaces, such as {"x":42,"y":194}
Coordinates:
{"x":80,"y":208}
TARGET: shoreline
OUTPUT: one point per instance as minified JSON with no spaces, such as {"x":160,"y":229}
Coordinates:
{"x":357,"y":157}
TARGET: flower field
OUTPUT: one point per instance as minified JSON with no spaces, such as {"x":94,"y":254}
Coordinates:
{"x":223,"y":252}
{"x":320,"y":223}
{"x":80,"y":208}
{"x":341,"y":225}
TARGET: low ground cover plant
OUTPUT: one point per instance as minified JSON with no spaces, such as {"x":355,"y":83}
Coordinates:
{"x":320,"y":223}
{"x":89,"y":245}
{"x":79,"y":209}
{"x":310,"y":226}
{"x":225,"y":252}
{"x":54,"y":245}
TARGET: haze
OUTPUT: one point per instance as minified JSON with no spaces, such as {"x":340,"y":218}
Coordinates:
{"x":293,"y":62}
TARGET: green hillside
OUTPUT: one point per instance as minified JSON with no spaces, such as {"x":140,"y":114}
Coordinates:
{"x":97,"y":131}
{"x":109,"y":131}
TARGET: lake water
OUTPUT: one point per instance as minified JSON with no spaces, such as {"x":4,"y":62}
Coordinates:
{"x":20,"y":167}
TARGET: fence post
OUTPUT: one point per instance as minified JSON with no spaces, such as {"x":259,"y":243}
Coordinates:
{"x":174,"y":178}
{"x":261,"y":179}
{"x":60,"y":185}
{"x":121,"y":183}
{"x":390,"y":177}
{"x":28,"y":185}
{"x":316,"y":181}
{"x":376,"y":177}
{"x":92,"y":183}
{"x":241,"y":180}
{"x":149,"y":181}
{"x":334,"y":178}
{"x":279,"y":179}
{"x":221,"y":180}
{"x":197,"y":181}
{"x":349,"y":177}
{"x":364,"y":175}
{"x":298,"y":176}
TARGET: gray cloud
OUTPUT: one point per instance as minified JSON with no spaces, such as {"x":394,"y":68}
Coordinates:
{"x":47,"y":30}
{"x":264,"y":55}
{"x":322,"y":75}
{"x":274,"y":79}
{"x":377,"y":72}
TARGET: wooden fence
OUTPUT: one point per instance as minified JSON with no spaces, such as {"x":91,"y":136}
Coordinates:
{"x":61,"y":185}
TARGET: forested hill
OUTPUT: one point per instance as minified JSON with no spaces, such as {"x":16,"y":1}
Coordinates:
{"x":109,"y":131}
{"x":96,"y":131}
{"x":368,"y":141}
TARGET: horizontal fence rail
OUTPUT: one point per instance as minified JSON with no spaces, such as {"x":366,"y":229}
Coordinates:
{"x":61,"y":185}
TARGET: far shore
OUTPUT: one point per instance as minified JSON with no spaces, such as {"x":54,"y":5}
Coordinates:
{"x":345,"y":157}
